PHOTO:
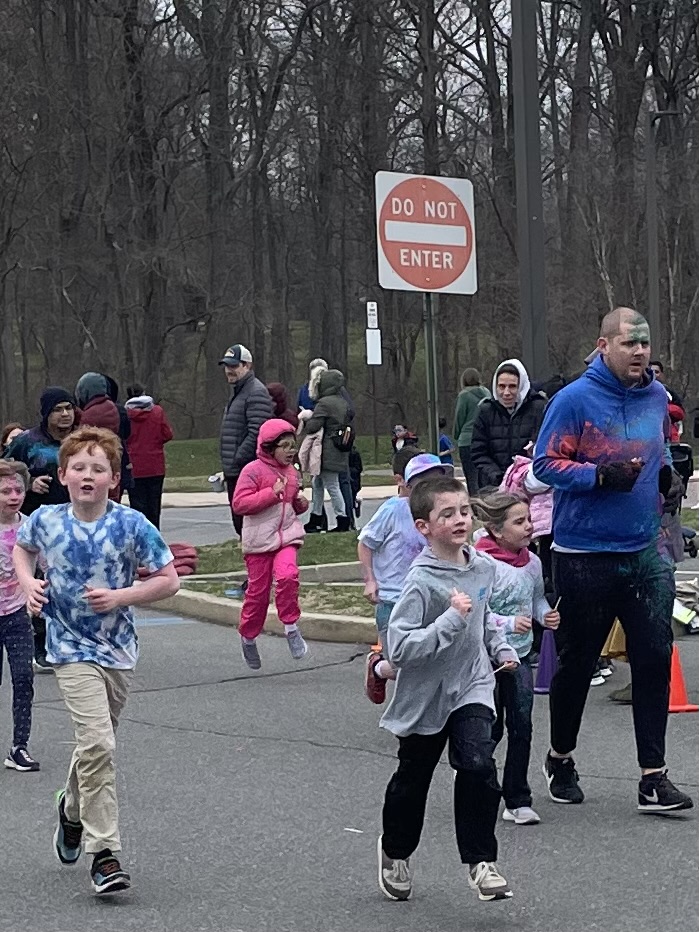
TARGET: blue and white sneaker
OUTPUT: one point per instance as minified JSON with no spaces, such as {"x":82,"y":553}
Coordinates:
{"x":68,"y":836}
{"x":107,"y":874}
{"x":20,"y":759}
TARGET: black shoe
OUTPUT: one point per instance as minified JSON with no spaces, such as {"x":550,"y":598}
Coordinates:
{"x":562,"y":778}
{"x":40,"y":664}
{"x":107,"y":874}
{"x":343,"y":524}
{"x":68,"y":835}
{"x":657,"y":794}
{"x":313,"y":525}
{"x":20,"y":759}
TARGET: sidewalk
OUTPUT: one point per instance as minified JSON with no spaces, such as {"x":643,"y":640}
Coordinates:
{"x":209,"y":499}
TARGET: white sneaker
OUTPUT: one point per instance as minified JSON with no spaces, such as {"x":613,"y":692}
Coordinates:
{"x":523,"y":815}
{"x":489,"y":882}
{"x":395,"y":876}
{"x":597,"y":680}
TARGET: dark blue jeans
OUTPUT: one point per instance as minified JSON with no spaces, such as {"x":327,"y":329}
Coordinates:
{"x":17,"y":639}
{"x":595,"y":588}
{"x":476,"y":792}
{"x":514,"y":700}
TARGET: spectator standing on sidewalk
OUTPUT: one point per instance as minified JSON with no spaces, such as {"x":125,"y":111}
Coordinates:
{"x":249,"y":406}
{"x":602,"y":448}
{"x":150,"y":431}
{"x":473,"y":392}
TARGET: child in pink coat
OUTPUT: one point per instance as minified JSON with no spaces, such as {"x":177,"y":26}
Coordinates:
{"x":267,"y":495}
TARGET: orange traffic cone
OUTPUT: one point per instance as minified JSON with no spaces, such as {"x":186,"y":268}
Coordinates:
{"x":679,"y":701}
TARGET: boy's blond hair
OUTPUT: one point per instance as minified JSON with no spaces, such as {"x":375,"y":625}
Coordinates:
{"x":87,"y":438}
{"x":11,"y":468}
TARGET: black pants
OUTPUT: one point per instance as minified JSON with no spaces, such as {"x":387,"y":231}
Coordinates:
{"x":595,"y":588}
{"x":16,"y":638}
{"x":347,"y":496}
{"x":470,"y":471}
{"x":476,"y":792}
{"x":146,"y":496}
{"x":514,"y":700}
{"x":231,"y":482}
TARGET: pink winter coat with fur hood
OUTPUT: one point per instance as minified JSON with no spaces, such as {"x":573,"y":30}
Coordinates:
{"x":270,"y":520}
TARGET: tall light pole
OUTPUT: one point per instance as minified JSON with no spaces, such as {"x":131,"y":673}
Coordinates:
{"x":652,"y":118}
{"x":530,"y":207}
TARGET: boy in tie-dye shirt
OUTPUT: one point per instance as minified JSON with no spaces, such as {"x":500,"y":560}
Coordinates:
{"x":92,"y":548}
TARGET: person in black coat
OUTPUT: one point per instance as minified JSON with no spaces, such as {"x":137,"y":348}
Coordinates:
{"x":506,"y":423}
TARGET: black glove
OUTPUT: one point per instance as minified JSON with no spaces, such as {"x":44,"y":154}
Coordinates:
{"x":671,"y":487}
{"x":619,"y":477}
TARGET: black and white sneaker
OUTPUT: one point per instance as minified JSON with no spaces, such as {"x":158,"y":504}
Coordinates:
{"x":107,"y":874}
{"x":20,"y":759}
{"x":395,"y":875}
{"x":657,"y":794}
{"x":67,"y":839}
{"x":41,"y":665}
{"x":562,"y":778}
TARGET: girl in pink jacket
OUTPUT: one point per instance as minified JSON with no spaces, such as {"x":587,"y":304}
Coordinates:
{"x":267,"y":495}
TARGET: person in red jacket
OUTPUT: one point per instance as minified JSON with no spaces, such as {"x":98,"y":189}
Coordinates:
{"x":150,"y":431}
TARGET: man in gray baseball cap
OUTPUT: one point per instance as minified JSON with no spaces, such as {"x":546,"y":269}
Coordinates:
{"x":249,"y":406}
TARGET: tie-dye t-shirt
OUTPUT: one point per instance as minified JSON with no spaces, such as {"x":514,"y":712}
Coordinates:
{"x":12,"y":598}
{"x":102,"y":554}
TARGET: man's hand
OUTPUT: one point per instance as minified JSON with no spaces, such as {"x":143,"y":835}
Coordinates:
{"x":552,"y":620}
{"x":104,"y":600}
{"x":371,"y":591}
{"x":522,"y":624}
{"x":41,"y":484}
{"x":279,"y":485}
{"x":461,"y":602}
{"x":671,"y":487}
{"x":619,"y":477}
{"x":34,"y":591}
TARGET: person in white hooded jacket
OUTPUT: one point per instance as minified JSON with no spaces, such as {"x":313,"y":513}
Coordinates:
{"x":506,"y":423}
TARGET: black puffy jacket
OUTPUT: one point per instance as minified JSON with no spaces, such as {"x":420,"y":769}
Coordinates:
{"x":250,"y":405}
{"x":498,"y":436}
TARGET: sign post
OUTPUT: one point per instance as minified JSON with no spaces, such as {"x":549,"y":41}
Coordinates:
{"x":373,"y":359}
{"x":426,"y":242}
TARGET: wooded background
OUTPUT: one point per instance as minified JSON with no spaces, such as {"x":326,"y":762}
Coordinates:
{"x":179,"y":176}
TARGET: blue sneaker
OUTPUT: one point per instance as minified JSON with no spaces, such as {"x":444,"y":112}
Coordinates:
{"x":107,"y":874}
{"x":68,"y":835}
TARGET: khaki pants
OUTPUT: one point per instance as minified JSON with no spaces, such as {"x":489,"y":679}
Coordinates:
{"x":95,"y":697}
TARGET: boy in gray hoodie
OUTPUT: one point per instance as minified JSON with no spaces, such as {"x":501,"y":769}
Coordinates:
{"x":441,"y":641}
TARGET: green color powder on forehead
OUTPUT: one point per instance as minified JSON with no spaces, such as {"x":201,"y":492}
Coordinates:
{"x":639,"y":332}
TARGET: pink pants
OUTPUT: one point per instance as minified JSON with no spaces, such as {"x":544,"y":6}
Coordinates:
{"x":262,"y":568}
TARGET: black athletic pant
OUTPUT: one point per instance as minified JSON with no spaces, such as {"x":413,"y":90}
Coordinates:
{"x":595,"y":588}
{"x":146,"y":496}
{"x":469,"y":731}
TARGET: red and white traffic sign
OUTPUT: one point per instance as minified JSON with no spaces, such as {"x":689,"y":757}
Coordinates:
{"x":425,"y":233}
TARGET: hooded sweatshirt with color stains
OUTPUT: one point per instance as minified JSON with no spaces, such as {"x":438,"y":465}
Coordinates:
{"x":443,"y":659}
{"x":593,"y":421}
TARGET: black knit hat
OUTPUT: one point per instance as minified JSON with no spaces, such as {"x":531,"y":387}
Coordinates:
{"x":52,"y":396}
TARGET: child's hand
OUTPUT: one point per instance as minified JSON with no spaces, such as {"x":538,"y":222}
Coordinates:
{"x":552,"y":620}
{"x":371,"y":591}
{"x":279,"y":485}
{"x":41,"y":484}
{"x":509,"y":666}
{"x":104,"y":600}
{"x":302,"y":501}
{"x":522,"y":624}
{"x":461,"y":602}
{"x":35,"y":596}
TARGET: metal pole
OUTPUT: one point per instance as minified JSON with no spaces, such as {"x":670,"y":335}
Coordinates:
{"x":530,"y":209}
{"x":374,"y":414}
{"x":652,"y":232}
{"x":429,"y":311}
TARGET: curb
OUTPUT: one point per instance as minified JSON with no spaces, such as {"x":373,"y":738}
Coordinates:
{"x":339,"y":629}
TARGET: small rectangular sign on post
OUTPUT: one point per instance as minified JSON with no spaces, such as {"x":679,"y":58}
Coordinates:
{"x":372,"y":315}
{"x":373,"y":347}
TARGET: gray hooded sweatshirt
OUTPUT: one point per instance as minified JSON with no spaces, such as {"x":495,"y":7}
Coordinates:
{"x":443,"y":660}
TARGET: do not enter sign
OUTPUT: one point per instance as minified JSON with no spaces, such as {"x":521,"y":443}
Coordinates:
{"x":426,"y":233}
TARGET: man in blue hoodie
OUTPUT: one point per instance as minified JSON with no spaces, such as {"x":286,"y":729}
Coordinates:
{"x":602,"y":447}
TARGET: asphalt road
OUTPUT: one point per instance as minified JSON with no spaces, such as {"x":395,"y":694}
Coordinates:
{"x":251,"y":803}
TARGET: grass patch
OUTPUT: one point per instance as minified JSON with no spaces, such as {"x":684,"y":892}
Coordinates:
{"x":333,"y":600}
{"x":201,"y":457}
{"x":318,"y":548}
{"x":690,"y":518}
{"x":188,"y":484}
